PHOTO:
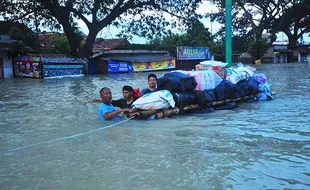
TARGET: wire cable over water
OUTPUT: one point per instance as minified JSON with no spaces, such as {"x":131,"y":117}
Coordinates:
{"x":69,"y":137}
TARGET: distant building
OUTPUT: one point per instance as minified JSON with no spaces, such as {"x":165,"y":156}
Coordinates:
{"x":119,"y":61}
{"x":6,"y":70}
{"x":48,"y":66}
{"x":304,"y":54}
{"x":6,"y":64}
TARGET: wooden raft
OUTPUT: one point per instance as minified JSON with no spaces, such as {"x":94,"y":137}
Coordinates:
{"x":145,"y":114}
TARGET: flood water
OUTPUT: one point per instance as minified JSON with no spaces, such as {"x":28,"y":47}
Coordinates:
{"x":260,"y":145}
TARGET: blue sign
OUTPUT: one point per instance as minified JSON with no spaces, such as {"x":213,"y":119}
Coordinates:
{"x":192,"y":53}
{"x":119,"y":67}
{"x":62,"y":70}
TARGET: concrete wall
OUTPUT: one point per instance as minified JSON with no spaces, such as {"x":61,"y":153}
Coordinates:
{"x":7,"y":64}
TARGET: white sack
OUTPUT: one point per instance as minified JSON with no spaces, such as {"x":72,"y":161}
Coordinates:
{"x":155,"y":100}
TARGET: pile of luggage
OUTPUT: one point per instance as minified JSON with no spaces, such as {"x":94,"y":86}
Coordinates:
{"x":204,"y":87}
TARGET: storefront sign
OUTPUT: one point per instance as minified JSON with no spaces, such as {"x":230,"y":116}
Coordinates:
{"x":152,"y":66}
{"x":119,"y":67}
{"x":59,"y":70}
{"x":28,"y":66}
{"x":192,"y":53}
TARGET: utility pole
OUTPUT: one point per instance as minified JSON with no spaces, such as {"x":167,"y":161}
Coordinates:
{"x":36,"y":23}
{"x":228,"y":38}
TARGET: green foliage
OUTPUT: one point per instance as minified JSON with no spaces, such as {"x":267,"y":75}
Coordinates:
{"x":148,"y":18}
{"x":17,"y":48}
{"x":20,"y":32}
{"x":60,"y":44}
{"x":196,"y":35}
{"x":258,"y":48}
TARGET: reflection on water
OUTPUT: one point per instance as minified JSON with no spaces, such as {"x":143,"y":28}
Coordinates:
{"x":261,"y":145}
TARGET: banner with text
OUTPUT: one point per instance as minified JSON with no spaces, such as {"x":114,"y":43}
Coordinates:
{"x":192,"y":53}
{"x":153,"y":66}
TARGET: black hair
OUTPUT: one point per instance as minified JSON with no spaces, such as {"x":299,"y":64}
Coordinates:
{"x":128,"y":88}
{"x":151,"y":75}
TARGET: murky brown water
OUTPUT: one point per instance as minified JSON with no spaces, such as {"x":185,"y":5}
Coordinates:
{"x":261,"y":145}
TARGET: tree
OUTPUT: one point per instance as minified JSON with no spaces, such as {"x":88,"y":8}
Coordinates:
{"x":196,"y":35}
{"x":147,"y":17}
{"x":294,"y":20}
{"x":20,"y":32}
{"x":251,"y":17}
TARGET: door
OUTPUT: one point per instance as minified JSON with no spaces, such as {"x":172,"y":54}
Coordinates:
{"x":1,"y":69}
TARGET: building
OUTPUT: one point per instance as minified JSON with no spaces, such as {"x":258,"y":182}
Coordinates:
{"x":7,"y":49}
{"x":6,"y":69}
{"x":304,"y":54}
{"x":119,"y":61}
{"x":48,"y":66}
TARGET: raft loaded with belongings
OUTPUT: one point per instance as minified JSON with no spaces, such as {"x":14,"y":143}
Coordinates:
{"x":183,"y":92}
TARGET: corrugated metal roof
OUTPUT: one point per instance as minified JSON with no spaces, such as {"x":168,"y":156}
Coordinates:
{"x":61,"y":58}
{"x":283,"y":50}
{"x":134,"y":52}
{"x":142,"y":59}
{"x":304,"y":49}
{"x":127,"y":52}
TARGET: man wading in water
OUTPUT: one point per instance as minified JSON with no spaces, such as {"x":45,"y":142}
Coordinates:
{"x":125,"y":102}
{"x":106,"y":110}
{"x":152,"y":81}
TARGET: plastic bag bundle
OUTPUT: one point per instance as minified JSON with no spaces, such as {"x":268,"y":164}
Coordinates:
{"x":155,"y":100}
{"x":205,"y":80}
{"x":238,"y":73}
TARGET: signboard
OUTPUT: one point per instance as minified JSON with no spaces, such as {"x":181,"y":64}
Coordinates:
{"x":119,"y":67}
{"x":60,"y":70}
{"x":192,"y":53}
{"x":152,"y":66}
{"x":28,"y":66}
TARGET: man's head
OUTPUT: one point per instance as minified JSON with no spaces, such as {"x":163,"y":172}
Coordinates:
{"x":151,"y":80}
{"x":106,"y":95}
{"x":127,"y":92}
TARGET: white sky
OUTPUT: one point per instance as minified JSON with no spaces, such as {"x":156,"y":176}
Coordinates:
{"x":205,"y":7}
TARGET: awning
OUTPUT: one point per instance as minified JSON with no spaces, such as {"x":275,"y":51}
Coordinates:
{"x":283,"y":50}
{"x":141,"y":59}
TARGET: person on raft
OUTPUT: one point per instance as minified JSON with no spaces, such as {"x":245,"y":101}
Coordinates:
{"x":106,"y":110}
{"x":125,"y":102}
{"x":152,"y":81}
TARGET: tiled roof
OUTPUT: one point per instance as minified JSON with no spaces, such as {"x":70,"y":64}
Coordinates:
{"x":101,"y":44}
{"x":46,"y":38}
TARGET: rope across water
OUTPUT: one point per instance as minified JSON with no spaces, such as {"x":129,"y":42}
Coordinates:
{"x":69,"y":137}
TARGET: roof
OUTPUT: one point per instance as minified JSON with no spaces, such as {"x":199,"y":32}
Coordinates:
{"x":142,"y":59}
{"x":280,"y":43}
{"x":304,"y":49}
{"x":46,"y":38}
{"x":61,"y":58}
{"x":284,"y":50}
{"x":128,"y":53}
{"x":100,"y":44}
{"x":5,"y":46}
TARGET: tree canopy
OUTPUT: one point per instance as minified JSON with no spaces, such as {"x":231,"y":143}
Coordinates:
{"x":146,"y":18}
{"x":256,"y":17}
